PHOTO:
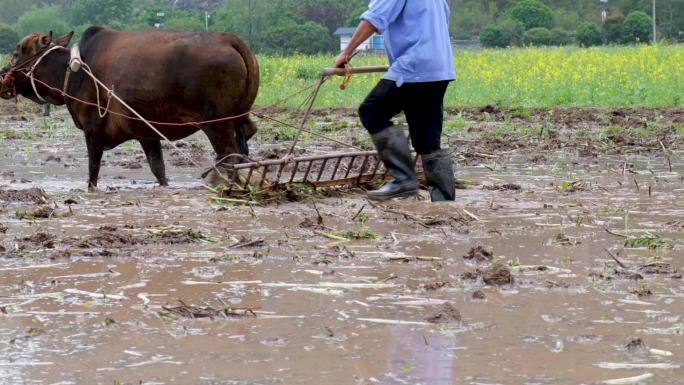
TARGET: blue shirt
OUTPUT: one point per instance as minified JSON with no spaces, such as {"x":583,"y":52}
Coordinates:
{"x":417,"y":39}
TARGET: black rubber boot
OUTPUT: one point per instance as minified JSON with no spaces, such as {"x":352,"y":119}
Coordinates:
{"x":394,"y":151}
{"x":439,"y":175}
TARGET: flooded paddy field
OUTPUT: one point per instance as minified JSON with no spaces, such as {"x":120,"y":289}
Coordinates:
{"x":560,"y":262}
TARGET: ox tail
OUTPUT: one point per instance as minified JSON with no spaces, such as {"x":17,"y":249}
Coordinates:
{"x":245,"y":127}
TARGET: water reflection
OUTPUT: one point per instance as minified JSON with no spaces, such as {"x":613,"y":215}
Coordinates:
{"x":416,"y":356}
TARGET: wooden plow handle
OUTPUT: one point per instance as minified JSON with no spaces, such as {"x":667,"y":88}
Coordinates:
{"x":356,"y":70}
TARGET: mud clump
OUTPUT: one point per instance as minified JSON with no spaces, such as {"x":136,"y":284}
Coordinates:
{"x":279,"y":153}
{"x":659,"y":268}
{"x":642,"y":291}
{"x":636,"y":345}
{"x":184,"y":310}
{"x":433,"y":286}
{"x":447,"y":314}
{"x":110,"y":237}
{"x":44,"y":239}
{"x":42,"y":212}
{"x":503,"y":187}
{"x":498,"y":275}
{"x":33,"y":195}
{"x":130,"y":164}
{"x":480,"y":254}
{"x":564,"y":240}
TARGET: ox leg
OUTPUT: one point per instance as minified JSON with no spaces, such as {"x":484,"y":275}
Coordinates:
{"x":155,"y":158}
{"x":95,"y":151}
{"x":223,"y":141}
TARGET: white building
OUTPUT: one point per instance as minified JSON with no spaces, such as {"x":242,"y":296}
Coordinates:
{"x":374,"y":43}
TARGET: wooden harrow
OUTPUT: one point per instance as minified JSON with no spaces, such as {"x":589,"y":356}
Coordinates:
{"x":329,"y":170}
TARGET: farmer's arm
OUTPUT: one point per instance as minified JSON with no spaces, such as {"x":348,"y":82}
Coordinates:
{"x":380,"y":14}
{"x":363,"y":32}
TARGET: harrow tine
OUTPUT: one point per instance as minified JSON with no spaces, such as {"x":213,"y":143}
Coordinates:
{"x":263,"y":177}
{"x":377,"y":166}
{"x":337,"y":166}
{"x":363,"y":168}
{"x":280,"y":173}
{"x":308,"y":170}
{"x":233,"y":181}
{"x":294,"y":172}
{"x":349,"y":168}
{"x":249,"y":178}
{"x":320,"y":173}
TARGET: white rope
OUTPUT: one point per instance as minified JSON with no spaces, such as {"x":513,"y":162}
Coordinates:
{"x":33,"y":68}
{"x":100,"y":111}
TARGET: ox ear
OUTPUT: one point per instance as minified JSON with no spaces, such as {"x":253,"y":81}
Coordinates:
{"x":45,"y":40}
{"x":65,"y":39}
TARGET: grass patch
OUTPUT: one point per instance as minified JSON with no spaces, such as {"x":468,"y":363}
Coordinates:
{"x":455,"y":124}
{"x":360,"y":234}
{"x":648,"y":241}
{"x":679,"y":130}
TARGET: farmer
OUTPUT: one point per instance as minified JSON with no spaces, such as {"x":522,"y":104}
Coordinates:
{"x":421,"y":66}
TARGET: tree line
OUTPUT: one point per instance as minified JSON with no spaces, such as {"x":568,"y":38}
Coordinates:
{"x":307,"y":26}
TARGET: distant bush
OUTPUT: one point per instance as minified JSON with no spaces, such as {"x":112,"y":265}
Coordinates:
{"x":532,"y":14}
{"x":588,"y":35}
{"x":538,"y":37}
{"x":185,"y":21}
{"x":514,"y":30}
{"x":559,"y":36}
{"x":307,"y":38}
{"x":507,"y":33}
{"x":101,"y":12}
{"x":637,"y":28}
{"x":612,"y":29}
{"x":8,"y":38}
{"x":44,"y":19}
{"x":492,"y":37}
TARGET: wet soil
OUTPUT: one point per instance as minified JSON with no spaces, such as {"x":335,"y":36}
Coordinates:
{"x":140,"y":284}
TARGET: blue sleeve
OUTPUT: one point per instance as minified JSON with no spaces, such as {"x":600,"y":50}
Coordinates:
{"x":382,"y":13}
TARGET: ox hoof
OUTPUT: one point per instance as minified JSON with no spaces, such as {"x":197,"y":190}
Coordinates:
{"x":213,"y":178}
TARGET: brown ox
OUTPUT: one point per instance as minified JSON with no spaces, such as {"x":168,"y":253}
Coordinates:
{"x":166,"y":76}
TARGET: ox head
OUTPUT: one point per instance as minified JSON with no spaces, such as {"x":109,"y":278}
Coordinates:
{"x":25,"y":54}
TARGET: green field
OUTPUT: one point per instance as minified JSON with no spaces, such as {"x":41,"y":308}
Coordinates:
{"x":645,"y":76}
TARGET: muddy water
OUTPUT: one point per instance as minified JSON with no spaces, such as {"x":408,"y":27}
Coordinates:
{"x":85,"y":307}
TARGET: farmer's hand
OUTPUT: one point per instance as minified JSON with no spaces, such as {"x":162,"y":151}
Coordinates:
{"x":342,"y":60}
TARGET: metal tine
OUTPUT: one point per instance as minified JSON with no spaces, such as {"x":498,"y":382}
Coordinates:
{"x":363,"y":167}
{"x":294,"y":172}
{"x":351,"y":165}
{"x":263,"y":176}
{"x":233,"y":182}
{"x":377,"y":166}
{"x":308,"y":170}
{"x":280,"y":173}
{"x":320,"y":173}
{"x":249,"y":178}
{"x":337,"y":166}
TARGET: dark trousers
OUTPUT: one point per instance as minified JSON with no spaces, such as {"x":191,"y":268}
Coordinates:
{"x":422,"y":103}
